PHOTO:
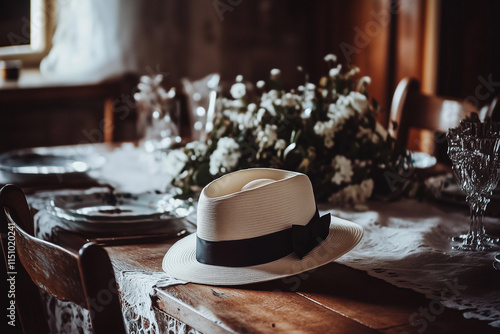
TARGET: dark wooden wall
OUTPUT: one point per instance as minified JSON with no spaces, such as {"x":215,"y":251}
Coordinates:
{"x":385,"y":38}
{"x":470,"y":49}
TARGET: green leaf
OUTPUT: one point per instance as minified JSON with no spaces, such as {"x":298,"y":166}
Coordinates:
{"x":202,"y":176}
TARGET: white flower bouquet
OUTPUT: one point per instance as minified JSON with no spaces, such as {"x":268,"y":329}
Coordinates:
{"x":327,"y":131}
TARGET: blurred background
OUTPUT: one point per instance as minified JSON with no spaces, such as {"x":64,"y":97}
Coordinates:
{"x":81,"y":60}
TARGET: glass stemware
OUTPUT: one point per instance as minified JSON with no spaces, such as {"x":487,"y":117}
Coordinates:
{"x":202,"y":95}
{"x":474,"y":150}
{"x":158,"y":114}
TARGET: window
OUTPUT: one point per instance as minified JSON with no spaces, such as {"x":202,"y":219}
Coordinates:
{"x":24,"y":28}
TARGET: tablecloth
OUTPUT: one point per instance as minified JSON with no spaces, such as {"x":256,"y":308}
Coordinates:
{"x":406,"y":243}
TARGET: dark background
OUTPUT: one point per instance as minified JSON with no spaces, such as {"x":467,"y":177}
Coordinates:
{"x":251,"y":37}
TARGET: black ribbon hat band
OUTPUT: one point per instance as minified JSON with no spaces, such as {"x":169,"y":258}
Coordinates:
{"x":300,"y":239}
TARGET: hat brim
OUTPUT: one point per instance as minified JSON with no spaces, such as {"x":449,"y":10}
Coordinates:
{"x":180,"y":260}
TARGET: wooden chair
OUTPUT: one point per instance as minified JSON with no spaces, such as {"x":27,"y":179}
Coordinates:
{"x":86,"y":279}
{"x":419,"y":121}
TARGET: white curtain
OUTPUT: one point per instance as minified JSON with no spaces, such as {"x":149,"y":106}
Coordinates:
{"x":98,"y":39}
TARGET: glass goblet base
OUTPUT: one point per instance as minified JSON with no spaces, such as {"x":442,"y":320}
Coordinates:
{"x":476,"y":242}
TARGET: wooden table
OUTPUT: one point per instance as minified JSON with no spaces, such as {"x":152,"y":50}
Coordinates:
{"x":331,"y":299}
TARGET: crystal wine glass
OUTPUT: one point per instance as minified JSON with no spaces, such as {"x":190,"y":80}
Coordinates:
{"x":475,"y":162}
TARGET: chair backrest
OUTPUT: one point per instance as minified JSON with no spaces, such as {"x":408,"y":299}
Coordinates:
{"x":423,"y":119}
{"x":86,"y":279}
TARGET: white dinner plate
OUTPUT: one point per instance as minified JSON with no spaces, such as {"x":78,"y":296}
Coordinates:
{"x":119,"y":207}
{"x":120,"y":213}
{"x":30,"y":164}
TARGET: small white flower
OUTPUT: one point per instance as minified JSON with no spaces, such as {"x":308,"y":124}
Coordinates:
{"x":337,"y":178}
{"x":225,"y":157}
{"x":239,"y":78}
{"x":275,"y":74}
{"x":175,"y":162}
{"x":326,"y":130}
{"x":352,"y":72}
{"x":236,"y":104}
{"x":280,"y":144}
{"x":319,"y":128}
{"x":306,"y":114}
{"x":330,"y":57}
{"x":310,"y":86}
{"x":199,"y":148}
{"x":343,"y":100}
{"x":260,"y":114}
{"x":269,"y":106}
{"x":359,"y":101}
{"x":238,"y":90}
{"x":268,"y":136}
{"x":364,"y":81}
{"x":260,"y":84}
{"x":360,"y":163}
{"x":289,"y":100}
{"x":335,"y":71}
{"x":272,"y":95}
{"x":343,"y":170}
{"x":248,"y":120}
{"x":333,"y":110}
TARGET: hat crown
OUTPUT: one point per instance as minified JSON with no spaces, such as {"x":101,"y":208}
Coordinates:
{"x":254,"y":202}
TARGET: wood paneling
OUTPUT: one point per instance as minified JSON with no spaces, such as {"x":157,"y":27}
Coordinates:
{"x":468,"y":62}
{"x":37,"y":112}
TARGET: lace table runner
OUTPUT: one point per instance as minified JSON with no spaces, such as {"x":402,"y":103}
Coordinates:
{"x":136,"y":292}
{"x":407,"y":244}
{"x":137,"y":289}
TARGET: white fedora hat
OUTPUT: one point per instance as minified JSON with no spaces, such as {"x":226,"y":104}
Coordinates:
{"x":257,"y":225}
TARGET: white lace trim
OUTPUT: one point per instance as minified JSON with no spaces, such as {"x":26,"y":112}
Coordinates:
{"x":407,"y":244}
{"x":137,"y":289}
{"x":136,"y":292}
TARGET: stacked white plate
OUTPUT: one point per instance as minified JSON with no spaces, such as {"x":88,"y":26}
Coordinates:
{"x":119,"y":212}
